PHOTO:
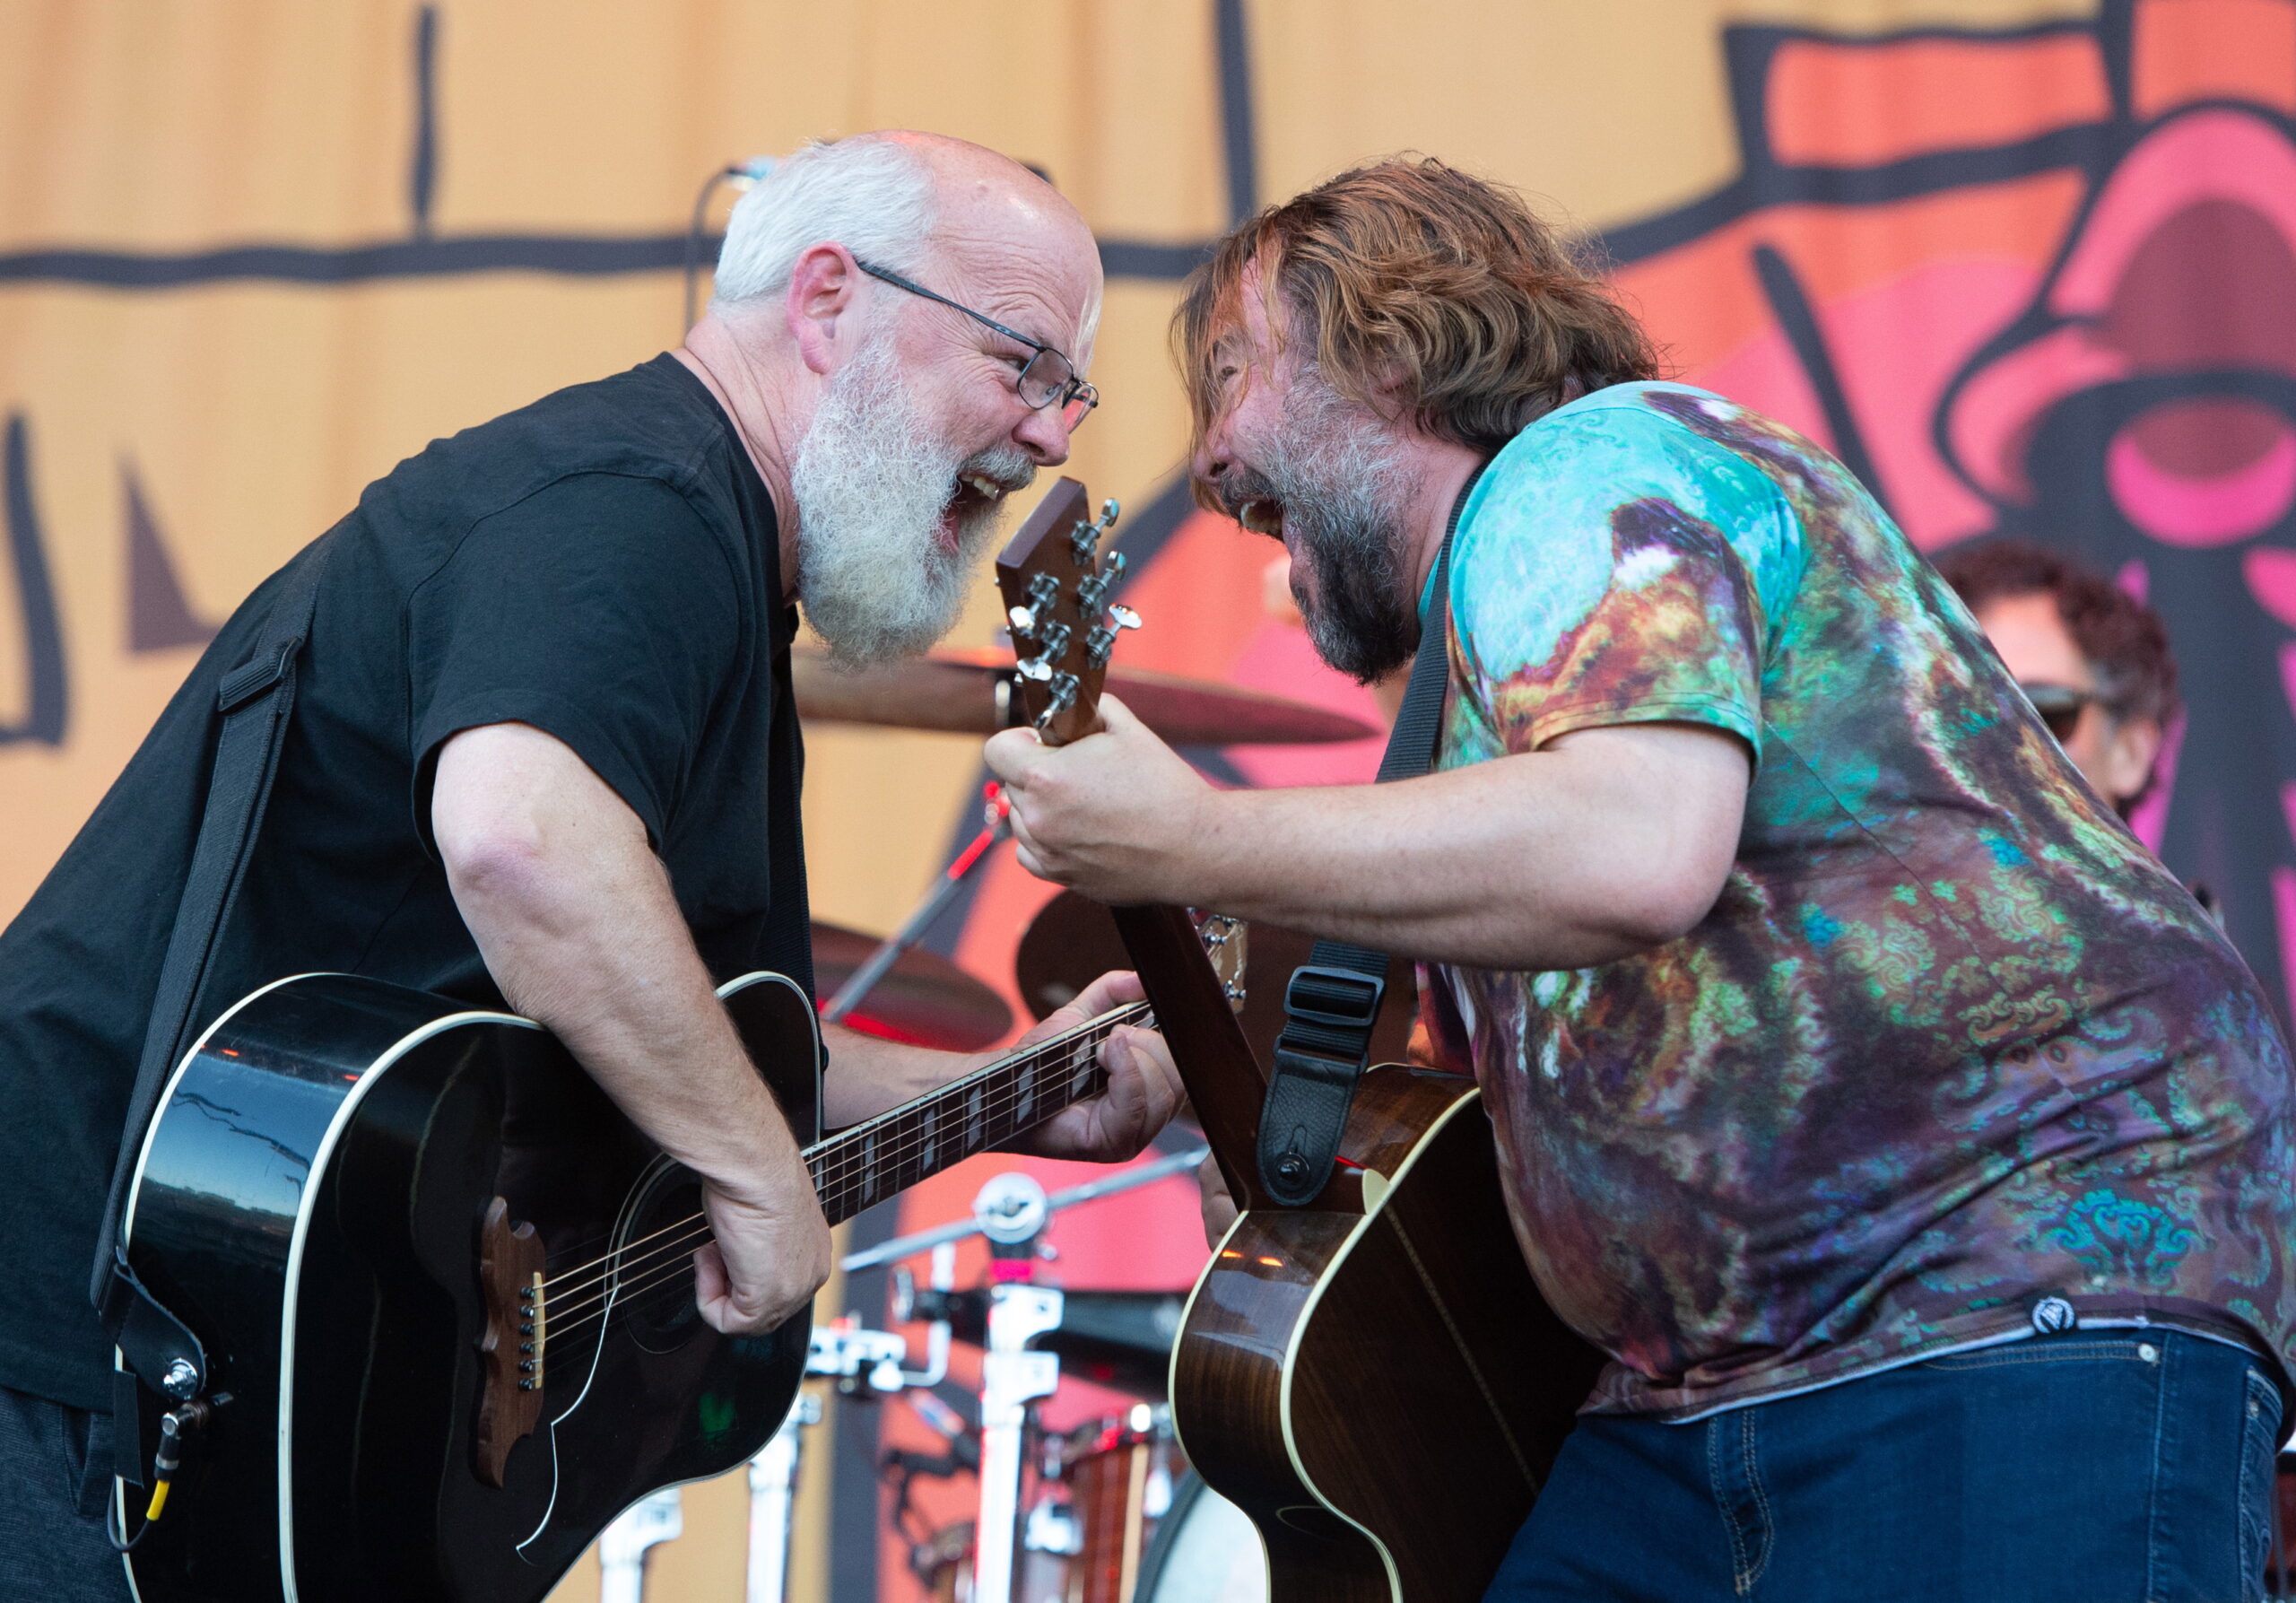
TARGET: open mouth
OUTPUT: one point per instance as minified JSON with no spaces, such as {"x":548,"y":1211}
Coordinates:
{"x":1263,"y":515}
{"x":972,"y":496}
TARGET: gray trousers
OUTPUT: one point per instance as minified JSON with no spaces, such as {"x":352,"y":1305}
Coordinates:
{"x":54,"y":1480}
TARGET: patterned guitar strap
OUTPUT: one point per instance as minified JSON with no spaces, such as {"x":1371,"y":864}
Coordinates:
{"x":1334,"y":997}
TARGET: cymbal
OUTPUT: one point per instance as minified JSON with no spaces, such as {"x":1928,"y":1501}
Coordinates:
{"x":923,"y":999}
{"x":956,"y":692}
{"x":1073,"y":941}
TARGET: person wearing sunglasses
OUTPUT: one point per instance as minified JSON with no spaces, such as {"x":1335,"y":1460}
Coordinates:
{"x":2093,"y":659}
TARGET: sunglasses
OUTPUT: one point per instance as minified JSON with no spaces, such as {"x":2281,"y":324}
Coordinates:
{"x":2060,"y":705}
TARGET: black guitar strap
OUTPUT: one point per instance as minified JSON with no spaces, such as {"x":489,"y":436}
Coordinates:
{"x":253,"y":700}
{"x":1334,"y":997}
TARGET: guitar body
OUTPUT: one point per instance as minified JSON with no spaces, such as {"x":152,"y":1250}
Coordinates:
{"x":316,"y":1198}
{"x":1375,"y":1380}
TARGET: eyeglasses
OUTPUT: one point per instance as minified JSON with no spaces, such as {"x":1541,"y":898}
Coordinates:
{"x":1048,"y":378}
{"x":2059,"y":706}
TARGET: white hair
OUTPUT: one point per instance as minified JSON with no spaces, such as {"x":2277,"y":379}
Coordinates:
{"x":872,"y":195}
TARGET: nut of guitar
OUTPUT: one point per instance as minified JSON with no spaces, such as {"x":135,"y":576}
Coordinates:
{"x":510,"y":1260}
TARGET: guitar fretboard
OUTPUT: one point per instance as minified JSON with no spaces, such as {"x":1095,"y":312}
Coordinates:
{"x":863,"y":1165}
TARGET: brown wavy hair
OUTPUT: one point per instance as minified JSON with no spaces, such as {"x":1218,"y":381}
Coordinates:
{"x":1423,"y":291}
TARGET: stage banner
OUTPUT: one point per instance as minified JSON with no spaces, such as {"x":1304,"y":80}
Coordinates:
{"x":2029,"y":266}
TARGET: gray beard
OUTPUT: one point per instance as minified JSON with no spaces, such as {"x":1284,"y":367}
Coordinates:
{"x":871,"y":483}
{"x":1344,"y":484}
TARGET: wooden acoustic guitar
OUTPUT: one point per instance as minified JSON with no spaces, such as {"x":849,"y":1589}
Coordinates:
{"x":1373,"y":1378}
{"x":446,"y":1291}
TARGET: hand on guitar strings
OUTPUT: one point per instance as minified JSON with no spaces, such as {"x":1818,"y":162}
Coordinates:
{"x":1110,"y":814}
{"x":768,"y":1255}
{"x":1144,"y":1088}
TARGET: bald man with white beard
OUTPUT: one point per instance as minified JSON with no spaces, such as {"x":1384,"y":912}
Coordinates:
{"x":543,"y":752}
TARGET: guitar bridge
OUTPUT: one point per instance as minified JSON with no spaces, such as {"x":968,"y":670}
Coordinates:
{"x":515,"y":1344}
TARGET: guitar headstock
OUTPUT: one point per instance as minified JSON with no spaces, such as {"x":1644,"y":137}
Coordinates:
{"x":1056,"y":588}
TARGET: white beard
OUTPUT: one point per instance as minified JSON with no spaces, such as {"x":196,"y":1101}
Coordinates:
{"x":872,"y":484}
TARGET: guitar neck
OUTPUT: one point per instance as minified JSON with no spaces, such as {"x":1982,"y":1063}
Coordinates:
{"x":863,"y":1165}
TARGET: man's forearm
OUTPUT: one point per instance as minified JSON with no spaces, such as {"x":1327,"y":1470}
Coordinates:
{"x":1607,"y":842}
{"x":869,"y":1074}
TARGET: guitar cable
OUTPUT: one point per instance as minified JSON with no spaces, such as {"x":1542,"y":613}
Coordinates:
{"x":178,"y":1427}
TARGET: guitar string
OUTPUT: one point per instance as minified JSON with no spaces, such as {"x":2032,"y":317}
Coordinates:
{"x":856,"y":1158}
{"x":1083,"y":1034}
{"x":1092,"y":1034}
{"x":619,"y":1289}
{"x":696,"y":1232}
{"x":694,"y":1227}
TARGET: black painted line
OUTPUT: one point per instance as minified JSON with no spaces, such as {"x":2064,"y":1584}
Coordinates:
{"x":1797,"y":319}
{"x":423,"y":165}
{"x":573,"y":256}
{"x":47,"y":699}
{"x":2087,"y":146}
{"x":1239,"y":144}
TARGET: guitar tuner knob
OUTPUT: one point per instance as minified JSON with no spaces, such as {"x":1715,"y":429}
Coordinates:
{"x":1122,"y":616}
{"x":1023,"y":620}
{"x":1098,"y":645}
{"x":1053,"y":642}
{"x":1033,"y":668}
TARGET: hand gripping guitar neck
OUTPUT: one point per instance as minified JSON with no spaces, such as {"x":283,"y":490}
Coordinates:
{"x":1058,"y":595}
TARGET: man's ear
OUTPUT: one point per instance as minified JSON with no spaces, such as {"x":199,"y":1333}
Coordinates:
{"x":819,"y":308}
{"x":2128,"y":759}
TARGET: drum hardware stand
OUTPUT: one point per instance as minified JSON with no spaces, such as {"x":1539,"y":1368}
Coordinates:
{"x":773,"y":1502}
{"x":860,"y":1363}
{"x":657,"y":1517}
{"x":1011,"y":1379}
{"x":997,"y":822}
{"x":1178,"y":1163}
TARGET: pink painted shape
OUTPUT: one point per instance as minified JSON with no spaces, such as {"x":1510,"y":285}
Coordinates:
{"x":2288,"y":681}
{"x":1764,"y":374}
{"x":2209,"y":155}
{"x":2134,"y":579}
{"x":1280,"y":659}
{"x":2271,"y":575}
{"x":2284,"y":917}
{"x":2215,"y":510}
{"x":1991,"y":413}
{"x":2148,"y":820}
{"x":1896,"y":344}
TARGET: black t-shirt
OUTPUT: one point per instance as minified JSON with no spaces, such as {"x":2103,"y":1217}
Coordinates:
{"x":604,"y":565}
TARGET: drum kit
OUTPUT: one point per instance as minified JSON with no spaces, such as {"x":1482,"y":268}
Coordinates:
{"x":1107,"y":1511}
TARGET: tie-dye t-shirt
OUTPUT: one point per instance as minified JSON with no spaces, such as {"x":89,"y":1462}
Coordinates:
{"x":1950,"y":1044}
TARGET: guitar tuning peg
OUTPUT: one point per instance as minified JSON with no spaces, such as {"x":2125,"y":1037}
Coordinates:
{"x":1109,"y":511}
{"x":1023,"y":620}
{"x":1122,"y":616}
{"x":1034,"y":669}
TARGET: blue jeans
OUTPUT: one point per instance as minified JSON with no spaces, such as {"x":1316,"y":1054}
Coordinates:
{"x":2091,"y":1467}
{"x":55,"y":1482}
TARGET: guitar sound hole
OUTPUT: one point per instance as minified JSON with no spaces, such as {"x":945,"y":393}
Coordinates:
{"x":656,"y":1302}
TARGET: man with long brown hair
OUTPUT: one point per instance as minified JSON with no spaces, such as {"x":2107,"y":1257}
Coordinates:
{"x":1918,"y":1150}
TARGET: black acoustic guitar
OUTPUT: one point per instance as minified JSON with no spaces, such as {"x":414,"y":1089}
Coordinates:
{"x":1373,"y":1378}
{"x":445,"y":1287}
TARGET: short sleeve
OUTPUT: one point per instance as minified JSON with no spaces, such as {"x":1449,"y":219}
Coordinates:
{"x":602,"y":610}
{"x":1603,"y":576}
